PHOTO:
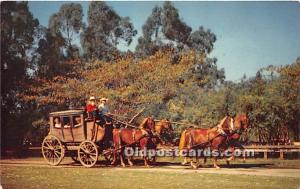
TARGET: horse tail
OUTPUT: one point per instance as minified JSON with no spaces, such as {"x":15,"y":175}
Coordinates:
{"x":182,"y":140}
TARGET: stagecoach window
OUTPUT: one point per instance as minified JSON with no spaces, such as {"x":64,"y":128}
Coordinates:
{"x":66,"y":122}
{"x":56,"y":123}
{"x":77,"y":121}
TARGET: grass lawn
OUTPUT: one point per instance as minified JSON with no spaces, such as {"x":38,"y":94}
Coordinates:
{"x":258,"y":162}
{"x":78,"y":177}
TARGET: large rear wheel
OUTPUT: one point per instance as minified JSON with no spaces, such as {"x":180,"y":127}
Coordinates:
{"x":52,"y":149}
{"x":88,"y":153}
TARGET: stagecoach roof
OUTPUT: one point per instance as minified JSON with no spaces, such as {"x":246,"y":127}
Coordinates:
{"x":67,"y":112}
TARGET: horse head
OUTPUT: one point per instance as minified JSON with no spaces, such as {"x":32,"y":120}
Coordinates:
{"x":164,"y":126}
{"x":148,"y":123}
{"x":241,"y":123}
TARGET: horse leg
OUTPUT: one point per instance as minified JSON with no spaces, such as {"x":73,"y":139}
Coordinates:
{"x":122,"y":158}
{"x":153,"y":157}
{"x":114,"y":158}
{"x":231,"y":157}
{"x":146,"y":158}
{"x":130,"y":160}
{"x":185,"y":161}
{"x":244,"y":156}
{"x":193,"y":164}
{"x":146,"y":161}
{"x":197,"y":162}
{"x":215,"y":162}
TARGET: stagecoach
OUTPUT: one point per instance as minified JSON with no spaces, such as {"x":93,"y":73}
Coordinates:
{"x":73,"y":134}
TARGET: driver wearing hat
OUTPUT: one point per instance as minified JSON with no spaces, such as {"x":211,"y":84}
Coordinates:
{"x":104,"y":110}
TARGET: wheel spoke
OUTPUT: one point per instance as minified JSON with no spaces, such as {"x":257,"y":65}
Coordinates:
{"x":93,"y":158}
{"x":48,"y":144}
{"x":46,"y":147}
{"x":56,"y":154}
{"x":92,"y":154}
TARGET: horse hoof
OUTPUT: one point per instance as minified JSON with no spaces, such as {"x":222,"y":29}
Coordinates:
{"x":194,"y":166}
{"x":227,"y":162}
{"x":123,"y":165}
{"x":217,"y":167}
{"x":185,"y":162}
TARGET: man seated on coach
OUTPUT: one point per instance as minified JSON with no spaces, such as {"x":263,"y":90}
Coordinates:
{"x":104,"y":111}
{"x":91,"y":107}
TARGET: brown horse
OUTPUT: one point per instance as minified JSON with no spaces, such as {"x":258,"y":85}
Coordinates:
{"x":162,"y":128}
{"x":240,"y":124}
{"x":127,"y":137}
{"x":199,"y":138}
{"x":145,"y":138}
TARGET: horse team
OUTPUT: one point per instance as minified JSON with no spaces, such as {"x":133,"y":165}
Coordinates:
{"x":224,"y":136}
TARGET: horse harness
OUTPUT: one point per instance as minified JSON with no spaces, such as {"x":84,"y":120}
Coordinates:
{"x":220,"y":131}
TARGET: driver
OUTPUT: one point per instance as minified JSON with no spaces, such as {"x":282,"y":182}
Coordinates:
{"x":104,"y":111}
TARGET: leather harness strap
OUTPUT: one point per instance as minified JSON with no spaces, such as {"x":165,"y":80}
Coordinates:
{"x":133,"y":134}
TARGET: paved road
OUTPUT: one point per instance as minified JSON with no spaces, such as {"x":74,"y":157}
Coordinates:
{"x":176,"y":169}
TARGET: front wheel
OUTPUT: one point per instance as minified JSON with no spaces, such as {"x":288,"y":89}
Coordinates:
{"x":88,"y":153}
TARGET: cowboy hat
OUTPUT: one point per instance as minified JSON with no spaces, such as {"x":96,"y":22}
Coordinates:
{"x":103,"y":99}
{"x":92,"y":98}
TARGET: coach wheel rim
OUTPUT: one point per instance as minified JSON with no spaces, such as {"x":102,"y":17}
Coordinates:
{"x":52,"y":149}
{"x":88,"y":153}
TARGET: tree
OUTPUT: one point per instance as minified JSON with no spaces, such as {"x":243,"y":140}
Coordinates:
{"x":49,"y":58}
{"x":105,"y":30}
{"x":151,"y":42}
{"x":206,"y":73}
{"x":18,"y":29}
{"x":67,"y":23}
{"x":201,"y":41}
{"x":172,"y":26}
{"x":164,"y":29}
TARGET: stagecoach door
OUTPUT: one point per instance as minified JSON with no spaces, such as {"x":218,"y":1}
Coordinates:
{"x":67,"y":124}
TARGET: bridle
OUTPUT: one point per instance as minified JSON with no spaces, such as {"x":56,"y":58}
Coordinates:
{"x":239,"y":130}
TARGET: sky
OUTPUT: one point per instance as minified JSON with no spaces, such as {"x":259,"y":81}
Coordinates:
{"x":250,"y":35}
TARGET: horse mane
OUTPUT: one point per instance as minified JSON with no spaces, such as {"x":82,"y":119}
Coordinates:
{"x":242,"y":118}
{"x":142,"y":125}
{"x":161,"y":122}
{"x":220,"y":125}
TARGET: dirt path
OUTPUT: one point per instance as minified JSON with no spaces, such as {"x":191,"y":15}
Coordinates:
{"x":176,"y":169}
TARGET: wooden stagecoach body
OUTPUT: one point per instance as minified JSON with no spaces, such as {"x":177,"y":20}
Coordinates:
{"x":73,"y":134}
{"x":86,"y":130}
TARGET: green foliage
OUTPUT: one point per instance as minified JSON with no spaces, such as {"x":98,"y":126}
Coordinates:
{"x":272,"y":102}
{"x":164,"y":29}
{"x":104,"y":32}
{"x":67,"y":23}
{"x":18,"y":29}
